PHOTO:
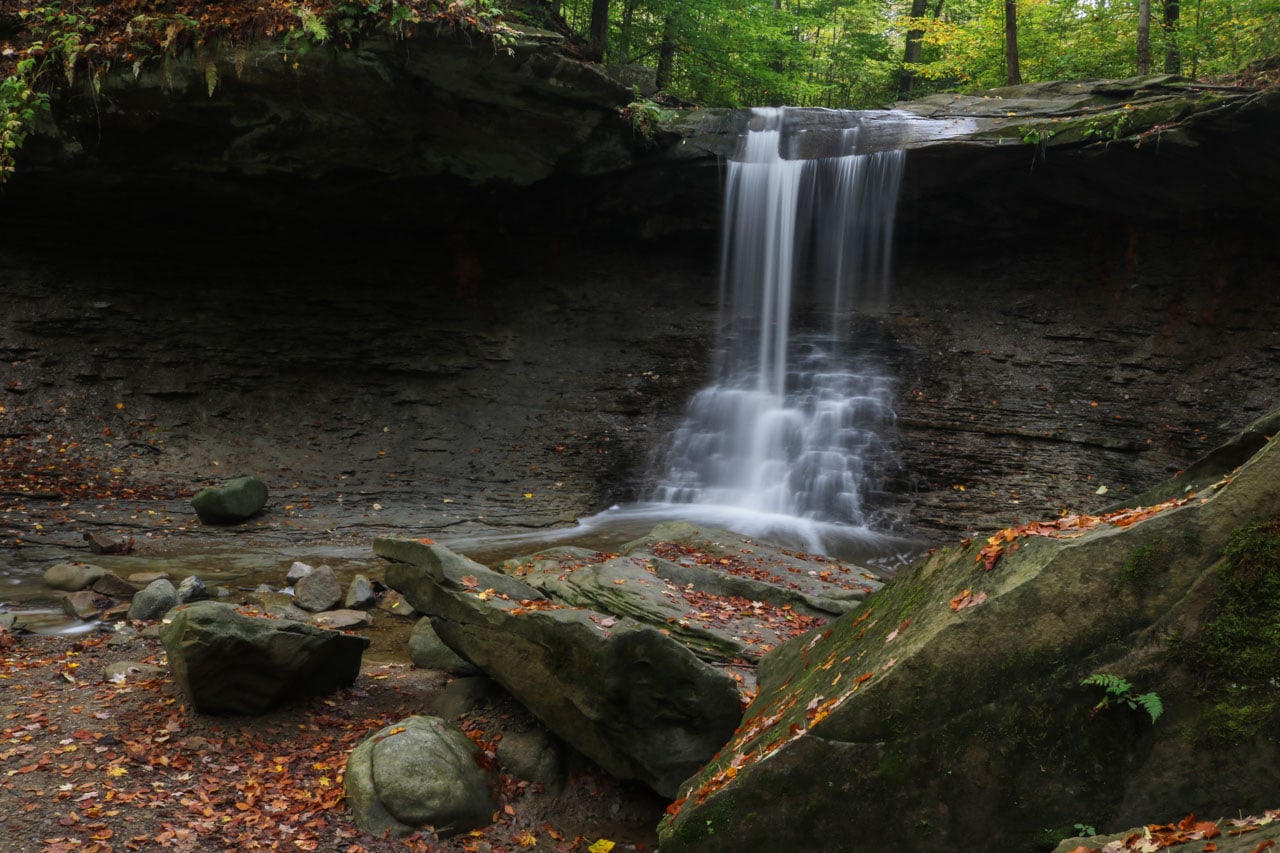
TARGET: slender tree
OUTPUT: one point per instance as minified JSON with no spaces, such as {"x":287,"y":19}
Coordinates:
{"x":667,"y":52}
{"x":1013,"y":71}
{"x":1144,"y":36}
{"x":1172,"y":54}
{"x":911,"y":54}
{"x":598,"y":30}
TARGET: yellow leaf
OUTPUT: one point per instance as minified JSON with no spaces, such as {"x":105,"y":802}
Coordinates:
{"x":604,"y":845}
{"x":116,"y":770}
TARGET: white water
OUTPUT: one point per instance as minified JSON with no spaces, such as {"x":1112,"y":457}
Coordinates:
{"x":793,"y":431}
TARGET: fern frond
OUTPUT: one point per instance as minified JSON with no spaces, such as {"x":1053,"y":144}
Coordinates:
{"x":1151,"y":703}
{"x":1113,"y":684}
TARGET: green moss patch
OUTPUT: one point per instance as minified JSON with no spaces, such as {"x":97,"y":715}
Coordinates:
{"x":1237,"y":653}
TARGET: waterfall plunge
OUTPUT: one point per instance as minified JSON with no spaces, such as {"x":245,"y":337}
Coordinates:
{"x":795,"y":421}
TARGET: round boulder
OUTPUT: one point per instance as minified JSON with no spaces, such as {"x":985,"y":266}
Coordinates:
{"x":232,"y":502}
{"x":72,"y":577}
{"x":157,"y":599}
{"x":414,"y":774}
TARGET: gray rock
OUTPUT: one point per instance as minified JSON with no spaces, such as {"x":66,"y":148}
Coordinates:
{"x":342,"y":620}
{"x":101,"y":543}
{"x":318,"y":591}
{"x":113,"y":585}
{"x":127,"y":670}
{"x":226,"y":662}
{"x":417,"y":774}
{"x":116,"y":612}
{"x":297,"y":572}
{"x":948,"y":693}
{"x":192,"y":588}
{"x":153,"y":600}
{"x":232,"y":502}
{"x":82,"y":604}
{"x":535,"y":755}
{"x":396,"y":604}
{"x":464,"y":695}
{"x":72,"y":576}
{"x":428,"y":651}
{"x":629,"y":697}
{"x":141,"y":579}
{"x":277,"y":604}
{"x":360,"y":593}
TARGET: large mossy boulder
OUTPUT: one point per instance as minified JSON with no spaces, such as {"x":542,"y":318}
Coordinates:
{"x":419,"y":773}
{"x":225,"y":662}
{"x":232,"y":502}
{"x":949,"y":713}
{"x":626,"y":695}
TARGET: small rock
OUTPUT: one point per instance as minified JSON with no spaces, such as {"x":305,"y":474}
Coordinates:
{"x":82,"y":604}
{"x":428,"y":651}
{"x":72,"y":577}
{"x":341,"y":620}
{"x":100,"y":543}
{"x":464,"y":695}
{"x":360,"y":593}
{"x":232,"y":502}
{"x":536,"y":755}
{"x":122,"y":634}
{"x":153,"y":601}
{"x":277,"y":604}
{"x":297,"y":572}
{"x":318,"y":591}
{"x":127,"y":670}
{"x":192,"y":588}
{"x":113,"y":585}
{"x":141,"y":579}
{"x":116,"y":612}
{"x":395,"y":604}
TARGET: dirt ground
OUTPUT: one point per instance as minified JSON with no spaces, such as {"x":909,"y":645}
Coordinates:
{"x":91,"y":764}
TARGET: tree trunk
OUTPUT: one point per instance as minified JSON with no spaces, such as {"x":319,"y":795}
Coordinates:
{"x":1144,"y":36}
{"x":598,"y":30}
{"x":911,"y":55}
{"x":1172,"y":54}
{"x":624,"y":32}
{"x":667,"y":53}
{"x":1014,"y":71}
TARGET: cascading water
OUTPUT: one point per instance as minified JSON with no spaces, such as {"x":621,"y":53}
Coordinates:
{"x":795,"y":422}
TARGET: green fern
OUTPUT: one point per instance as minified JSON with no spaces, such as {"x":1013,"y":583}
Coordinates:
{"x":313,"y":26}
{"x":1120,"y":692}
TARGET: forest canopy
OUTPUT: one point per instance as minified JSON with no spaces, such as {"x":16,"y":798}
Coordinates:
{"x":824,"y":53}
{"x":866,"y":53}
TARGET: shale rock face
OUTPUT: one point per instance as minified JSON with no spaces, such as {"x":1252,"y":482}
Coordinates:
{"x":228,"y":663}
{"x":949,"y":712}
{"x":426,"y":106}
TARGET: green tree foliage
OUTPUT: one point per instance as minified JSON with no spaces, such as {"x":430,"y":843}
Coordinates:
{"x":850,"y":53}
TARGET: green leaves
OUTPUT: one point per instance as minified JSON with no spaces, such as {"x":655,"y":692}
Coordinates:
{"x":1120,"y":692}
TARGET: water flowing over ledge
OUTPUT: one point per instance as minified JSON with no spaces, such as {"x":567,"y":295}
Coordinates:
{"x":797,"y":422}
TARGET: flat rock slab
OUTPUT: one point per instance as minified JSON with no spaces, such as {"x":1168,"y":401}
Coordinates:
{"x":627,"y":695}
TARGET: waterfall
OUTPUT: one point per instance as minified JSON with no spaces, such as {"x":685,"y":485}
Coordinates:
{"x":795,"y":422}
